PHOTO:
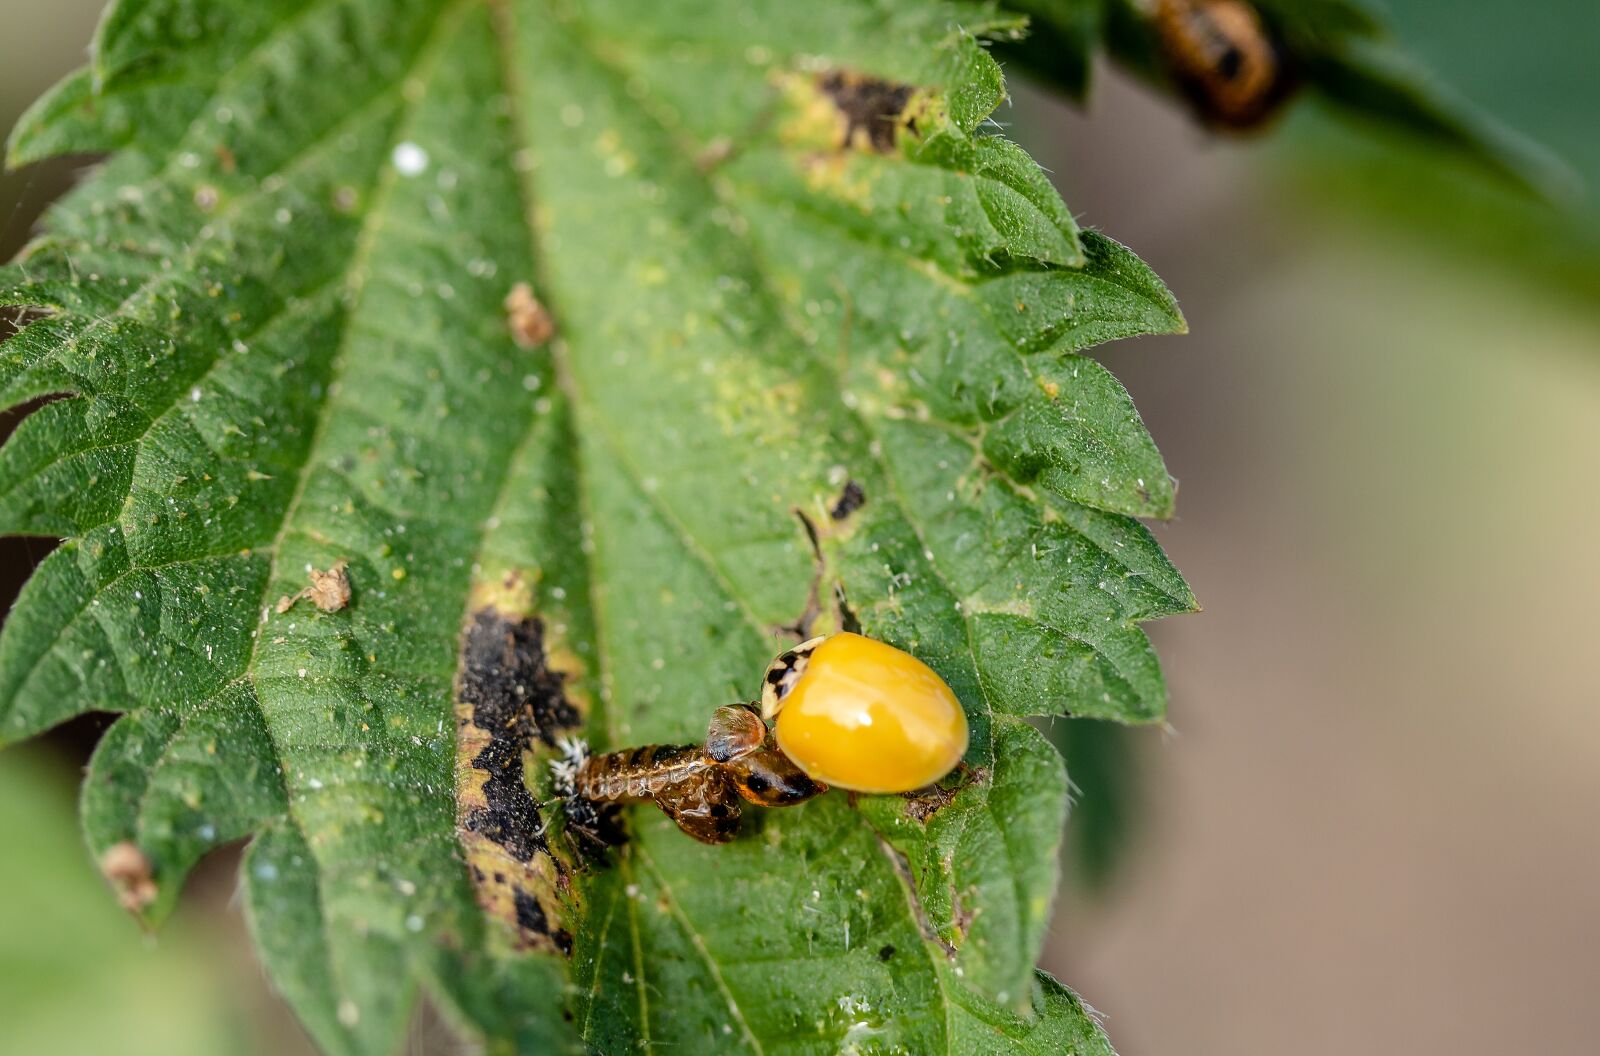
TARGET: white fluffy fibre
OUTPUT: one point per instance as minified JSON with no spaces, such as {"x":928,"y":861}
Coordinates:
{"x":574,"y":754}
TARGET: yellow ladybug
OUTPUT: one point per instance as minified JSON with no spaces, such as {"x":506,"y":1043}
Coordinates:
{"x":855,"y":713}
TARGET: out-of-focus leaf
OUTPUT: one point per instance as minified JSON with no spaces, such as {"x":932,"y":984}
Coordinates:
{"x":1376,"y":83}
{"x":1336,"y":49}
{"x":1062,"y":38}
{"x":76,"y":976}
{"x":1104,"y":768}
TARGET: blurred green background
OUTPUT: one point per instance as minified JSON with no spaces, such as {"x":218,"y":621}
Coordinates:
{"x":1372,"y":823}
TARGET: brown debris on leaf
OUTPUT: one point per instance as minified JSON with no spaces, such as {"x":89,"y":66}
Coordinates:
{"x":129,"y":872}
{"x":925,"y":803}
{"x":714,"y":153}
{"x":920,"y":806}
{"x":527,"y":319}
{"x":329,"y":591}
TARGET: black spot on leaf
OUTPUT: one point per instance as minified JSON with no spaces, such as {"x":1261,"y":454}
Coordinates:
{"x":850,"y":500}
{"x":531,"y":918}
{"x":848,"y":620}
{"x":515,"y":698}
{"x":507,"y":680}
{"x":870,"y":107}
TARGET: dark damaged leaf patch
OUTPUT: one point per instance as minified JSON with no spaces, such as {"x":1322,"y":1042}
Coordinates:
{"x":531,"y":920}
{"x":508,"y":683}
{"x":850,"y":500}
{"x":509,"y":701}
{"x":871,"y":108}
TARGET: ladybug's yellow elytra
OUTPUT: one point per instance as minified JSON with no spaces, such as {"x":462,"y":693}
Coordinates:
{"x":857,"y":713}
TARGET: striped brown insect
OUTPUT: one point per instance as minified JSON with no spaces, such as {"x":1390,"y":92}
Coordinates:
{"x":1228,"y":64}
{"x":701,"y":786}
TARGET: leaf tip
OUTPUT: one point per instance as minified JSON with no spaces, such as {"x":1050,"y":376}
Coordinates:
{"x":35,"y":136}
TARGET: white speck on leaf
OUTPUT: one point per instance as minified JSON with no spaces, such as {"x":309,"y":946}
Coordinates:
{"x":409,"y":159}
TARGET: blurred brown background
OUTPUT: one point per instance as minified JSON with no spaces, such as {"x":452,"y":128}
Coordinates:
{"x":1372,"y":824}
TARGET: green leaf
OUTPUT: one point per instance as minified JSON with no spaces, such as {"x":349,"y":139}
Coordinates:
{"x":1341,"y":50}
{"x":1106,"y":809}
{"x":1061,"y":41}
{"x":1375,"y":83}
{"x":295,"y":322}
